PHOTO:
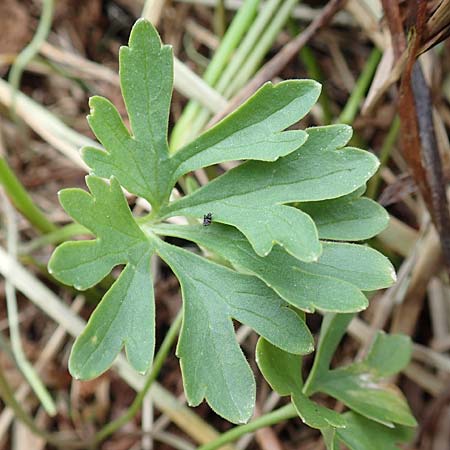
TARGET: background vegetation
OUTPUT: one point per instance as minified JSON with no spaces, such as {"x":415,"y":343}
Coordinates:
{"x":58,"y":54}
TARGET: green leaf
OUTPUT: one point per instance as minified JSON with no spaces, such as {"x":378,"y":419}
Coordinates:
{"x":251,"y":196}
{"x":359,"y":265}
{"x":364,"y":434}
{"x":125,"y":316}
{"x":140,"y":161}
{"x":332,"y":330}
{"x":282,"y":371}
{"x":389,"y":354}
{"x":295,"y":177}
{"x":367,"y":395}
{"x":332,"y":283}
{"x":315,"y":415}
{"x":212,"y":363}
{"x":119,"y":239}
{"x":361,"y":387}
{"x":254,"y":130}
{"x":347,"y":218}
{"x":329,"y":437}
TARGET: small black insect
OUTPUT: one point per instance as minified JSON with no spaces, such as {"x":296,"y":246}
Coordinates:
{"x":207,"y":219}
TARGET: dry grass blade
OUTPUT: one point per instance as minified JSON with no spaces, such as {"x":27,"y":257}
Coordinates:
{"x":44,"y":123}
{"x":193,"y":87}
{"x":152,"y":10}
{"x":185,"y":80}
{"x":302,"y":12}
{"x":427,"y":264}
{"x":368,"y":21}
{"x":437,"y":26}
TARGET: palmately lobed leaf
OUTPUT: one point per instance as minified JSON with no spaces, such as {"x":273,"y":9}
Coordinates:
{"x":361,"y":385}
{"x":333,"y":283}
{"x":125,"y":315}
{"x":255,"y":129}
{"x":251,"y":197}
{"x":213,"y":366}
{"x":140,"y":159}
{"x":378,"y":405}
{"x":268,"y":216}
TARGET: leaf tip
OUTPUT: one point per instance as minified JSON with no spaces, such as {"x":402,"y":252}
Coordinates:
{"x":74,"y":369}
{"x":393,"y":274}
{"x":316,"y":85}
{"x":309,"y":349}
{"x":143,"y":32}
{"x":347,"y":130}
{"x":94,"y":102}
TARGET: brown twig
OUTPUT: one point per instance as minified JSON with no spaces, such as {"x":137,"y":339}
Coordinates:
{"x":437,"y":27}
{"x":431,"y":159}
{"x":420,"y":144}
{"x":416,"y":113}
{"x":420,"y":150}
{"x":281,"y":59}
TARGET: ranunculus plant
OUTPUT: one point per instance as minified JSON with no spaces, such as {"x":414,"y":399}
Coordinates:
{"x":278,"y":221}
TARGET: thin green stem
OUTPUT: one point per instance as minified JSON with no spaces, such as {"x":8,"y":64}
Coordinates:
{"x":247,"y":45}
{"x":277,"y":416}
{"x":55,"y":237}
{"x":13,"y":316}
{"x":312,"y":67}
{"x":332,"y":329}
{"x":27,"y":54}
{"x":23,"y":364}
{"x":232,"y":37}
{"x":180,"y":134}
{"x":7,"y":396}
{"x":263,"y":45}
{"x":350,"y":110}
{"x":160,"y":357}
{"x":220,"y":19}
{"x":21,"y":199}
{"x":249,"y":55}
{"x":385,"y":154}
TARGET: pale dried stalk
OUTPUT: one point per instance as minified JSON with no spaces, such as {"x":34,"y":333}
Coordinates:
{"x":186,"y":82}
{"x":438,"y":310}
{"x":304,"y":13}
{"x":152,"y":11}
{"x":368,"y":18}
